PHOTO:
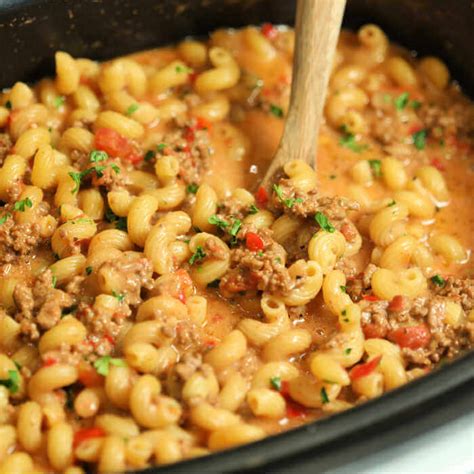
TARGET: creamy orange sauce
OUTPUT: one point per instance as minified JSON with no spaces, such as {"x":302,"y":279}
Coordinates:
{"x":260,"y":132}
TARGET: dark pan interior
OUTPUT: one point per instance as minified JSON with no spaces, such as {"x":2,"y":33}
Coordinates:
{"x":30,"y":32}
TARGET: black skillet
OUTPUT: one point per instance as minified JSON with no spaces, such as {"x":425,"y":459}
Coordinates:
{"x":30,"y":32}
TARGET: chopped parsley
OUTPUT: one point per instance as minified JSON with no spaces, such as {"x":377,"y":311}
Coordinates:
{"x":236,"y":225}
{"x":290,"y":202}
{"x":324,"y":396}
{"x":348,"y":350}
{"x":415,"y":104}
{"x":8,"y":104}
{"x":54,"y":281}
{"x":115,"y":168}
{"x":132,"y":109}
{"x":438,"y":280}
{"x":77,"y":178}
{"x":88,"y":270}
{"x":217,"y":221}
{"x":260,"y":253}
{"x":276,"y":383}
{"x":98,"y":155}
{"x":185,"y":69}
{"x":376,"y":167}
{"x":343,"y":289}
{"x":401,"y":101}
{"x":348,"y":140}
{"x":192,"y":188}
{"x":276,"y":111}
{"x":332,"y":176}
{"x":253,"y":209}
{"x":59,"y":101}
{"x":12,"y":382}
{"x":323,"y":222}
{"x":119,"y":222}
{"x":278,"y":260}
{"x":160,"y":147}
{"x":198,"y":255}
{"x":392,"y":203}
{"x":344,"y":312}
{"x":23,"y":204}
{"x":4,"y":218}
{"x":149,"y":155}
{"x":120,"y":297}
{"x":69,"y":403}
{"x":102,"y":364}
{"x":419,"y":139}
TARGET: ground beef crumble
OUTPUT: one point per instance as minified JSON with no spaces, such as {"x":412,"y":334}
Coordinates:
{"x":300,"y":204}
{"x":40,"y":306}
{"x":131,"y":274}
{"x":18,"y":240}
{"x":250,"y":270}
{"x":190,"y":144}
{"x":5,"y":146}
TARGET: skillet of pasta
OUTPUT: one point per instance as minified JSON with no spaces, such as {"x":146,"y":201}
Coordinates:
{"x":158,"y":305}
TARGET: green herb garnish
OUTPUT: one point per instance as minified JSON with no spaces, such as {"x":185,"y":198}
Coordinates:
{"x":276,"y":111}
{"x":253,"y":209}
{"x":276,"y":383}
{"x":59,"y":101}
{"x":348,"y":140}
{"x":102,"y":364}
{"x":401,"y":101}
{"x":120,"y":297}
{"x":376,"y":167}
{"x":419,"y":139}
{"x":323,"y":222}
{"x":217,"y":221}
{"x":192,"y":188}
{"x":12,"y":382}
{"x":23,"y":204}
{"x":4,"y":218}
{"x":343,"y":289}
{"x":88,"y":270}
{"x":438,"y":280}
{"x":132,"y":109}
{"x":98,"y":155}
{"x":198,"y":255}
{"x":324,"y":396}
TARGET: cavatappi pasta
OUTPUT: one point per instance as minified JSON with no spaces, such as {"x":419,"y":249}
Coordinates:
{"x":157,"y":305}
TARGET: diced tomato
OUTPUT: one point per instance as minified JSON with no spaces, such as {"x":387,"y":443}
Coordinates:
{"x":109,"y":338}
{"x":116,"y":145}
{"x":261,"y":196}
{"x":87,"y":433}
{"x":416,"y":127}
{"x":398,"y":303}
{"x":269,"y":31}
{"x":372,"y":330}
{"x":436,"y":162}
{"x":362,"y":370}
{"x":184,"y":285}
{"x":110,"y":141}
{"x":411,"y":337}
{"x":295,"y":410}
{"x":371,"y":298}
{"x":193,"y":76}
{"x":189,"y":135}
{"x":49,"y":362}
{"x":203,"y":124}
{"x":88,"y":376}
{"x":254,"y":242}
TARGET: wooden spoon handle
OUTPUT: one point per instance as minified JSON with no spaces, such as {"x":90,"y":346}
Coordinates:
{"x":317,"y":27}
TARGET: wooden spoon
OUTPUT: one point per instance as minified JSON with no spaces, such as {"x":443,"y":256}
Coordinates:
{"x":317,"y":27}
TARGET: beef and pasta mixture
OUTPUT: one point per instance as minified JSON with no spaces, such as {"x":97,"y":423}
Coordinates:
{"x":158,"y":305}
